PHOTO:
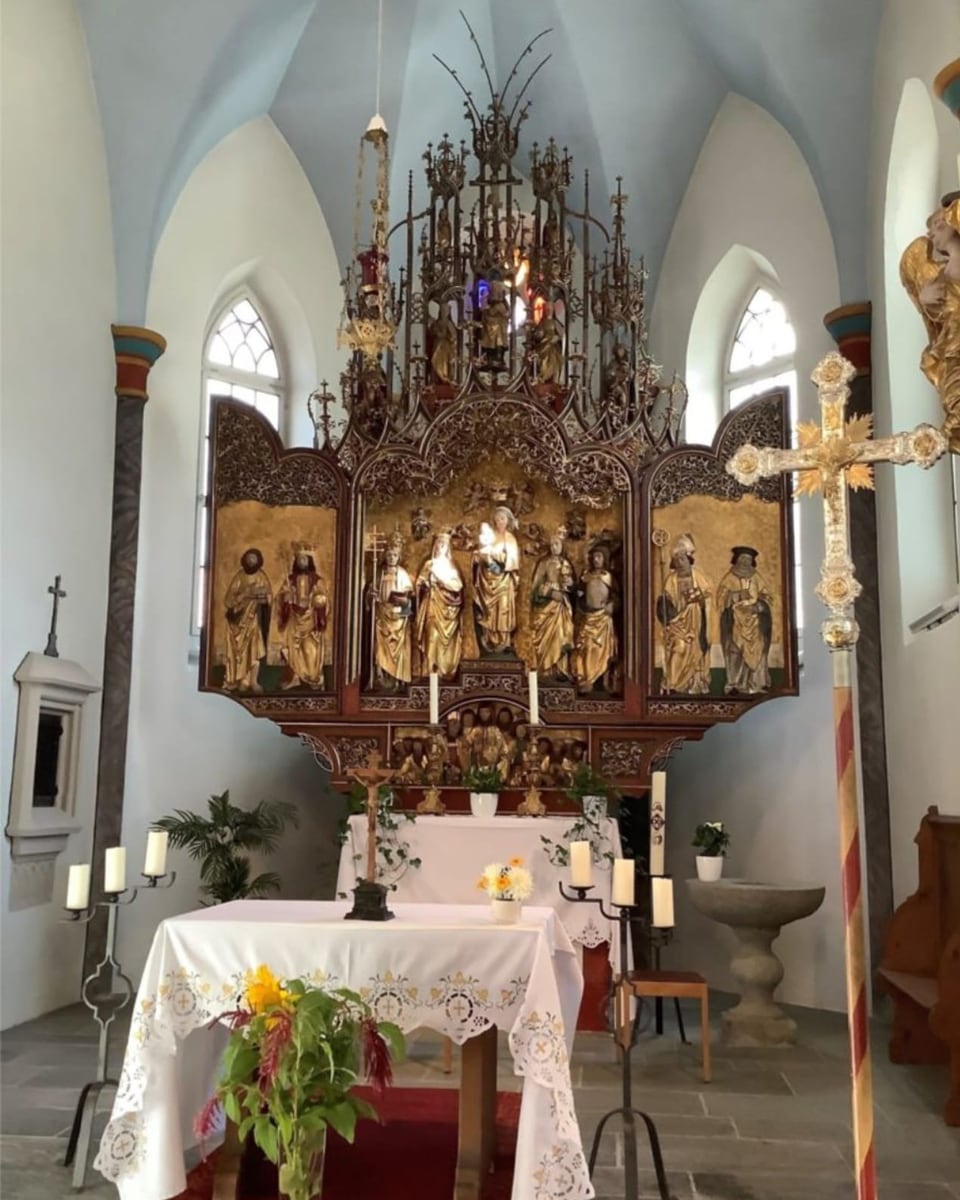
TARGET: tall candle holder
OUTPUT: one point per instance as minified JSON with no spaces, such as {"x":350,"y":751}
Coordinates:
{"x":105,"y":1005}
{"x":626,"y":1031}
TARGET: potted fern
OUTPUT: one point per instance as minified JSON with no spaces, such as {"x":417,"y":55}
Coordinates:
{"x":484,"y":784}
{"x":223,"y":840}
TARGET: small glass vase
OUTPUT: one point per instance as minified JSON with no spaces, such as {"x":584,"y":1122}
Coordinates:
{"x":311,"y":1188}
{"x":506,"y":912}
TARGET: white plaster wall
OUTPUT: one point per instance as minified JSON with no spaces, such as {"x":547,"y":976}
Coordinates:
{"x":921,"y":673}
{"x":246,"y":214}
{"x":769,"y":777}
{"x":57,"y":429}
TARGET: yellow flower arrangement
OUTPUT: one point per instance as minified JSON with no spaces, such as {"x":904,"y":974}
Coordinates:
{"x":262,"y":990}
{"x":506,"y":881}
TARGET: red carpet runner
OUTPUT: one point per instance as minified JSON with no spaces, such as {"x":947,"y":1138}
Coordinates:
{"x":412,"y":1156}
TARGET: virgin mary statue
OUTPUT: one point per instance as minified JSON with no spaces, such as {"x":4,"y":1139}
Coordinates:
{"x":496,"y":571}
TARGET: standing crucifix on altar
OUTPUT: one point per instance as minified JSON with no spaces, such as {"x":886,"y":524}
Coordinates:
{"x":370,"y":897}
{"x":830,"y":458}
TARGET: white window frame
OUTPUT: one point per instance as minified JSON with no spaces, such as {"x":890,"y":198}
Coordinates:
{"x":782,"y":364}
{"x":214,"y":372}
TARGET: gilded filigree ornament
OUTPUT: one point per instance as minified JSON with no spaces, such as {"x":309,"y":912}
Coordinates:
{"x":621,"y":758}
{"x":830,"y":460}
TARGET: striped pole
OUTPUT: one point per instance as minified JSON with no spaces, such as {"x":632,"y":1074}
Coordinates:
{"x":848,"y":800}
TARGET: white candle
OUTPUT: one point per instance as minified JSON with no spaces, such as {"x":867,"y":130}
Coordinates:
{"x":662,"y":902}
{"x":78,"y":887}
{"x":155,"y":864}
{"x":658,"y":821}
{"x":623,"y":882}
{"x":581,"y":866}
{"x":534,"y":685}
{"x":115,"y":870}
{"x":434,"y":698}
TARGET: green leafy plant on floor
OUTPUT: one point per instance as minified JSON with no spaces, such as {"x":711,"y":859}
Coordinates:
{"x":223,"y":840}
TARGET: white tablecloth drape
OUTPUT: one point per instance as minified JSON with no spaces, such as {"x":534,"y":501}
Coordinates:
{"x":454,"y":849}
{"x":437,"y":966}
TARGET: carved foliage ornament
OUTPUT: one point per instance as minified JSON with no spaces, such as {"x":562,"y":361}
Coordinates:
{"x":702,"y":472}
{"x":510,"y":427}
{"x":250,"y":465}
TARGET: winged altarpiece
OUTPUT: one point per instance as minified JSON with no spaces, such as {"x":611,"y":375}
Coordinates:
{"x":508,"y":493}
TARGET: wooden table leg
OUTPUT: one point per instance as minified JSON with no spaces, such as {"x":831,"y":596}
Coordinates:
{"x":478,"y":1113}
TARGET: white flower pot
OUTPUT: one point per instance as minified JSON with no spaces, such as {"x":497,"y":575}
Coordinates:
{"x":484,"y":804}
{"x":709,"y":867}
{"x":505,"y":912}
{"x":595,"y":808}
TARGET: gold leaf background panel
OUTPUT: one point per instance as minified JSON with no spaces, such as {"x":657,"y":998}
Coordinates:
{"x":448,"y":512}
{"x":716,"y":527}
{"x":248,"y":524}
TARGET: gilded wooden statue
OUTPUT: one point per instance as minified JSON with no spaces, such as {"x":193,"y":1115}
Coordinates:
{"x":683,"y":611}
{"x":248,"y":603}
{"x":930,"y":272}
{"x":595,"y":653}
{"x":744,"y":600}
{"x":551,"y":602}
{"x":496,"y":573}
{"x":393,"y":616}
{"x":440,"y":610}
{"x":302,"y":621}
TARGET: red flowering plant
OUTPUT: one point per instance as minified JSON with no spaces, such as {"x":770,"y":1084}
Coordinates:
{"x":295,"y":1053}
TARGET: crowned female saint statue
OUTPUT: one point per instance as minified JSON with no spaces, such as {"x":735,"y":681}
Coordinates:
{"x":496,"y":573}
{"x":393,"y":614}
{"x":440,"y":610}
{"x":551,"y":605}
{"x":303,"y":621}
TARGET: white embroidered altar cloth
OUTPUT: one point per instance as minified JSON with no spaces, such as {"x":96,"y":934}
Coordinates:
{"x":448,"y":968}
{"x":454,"y":849}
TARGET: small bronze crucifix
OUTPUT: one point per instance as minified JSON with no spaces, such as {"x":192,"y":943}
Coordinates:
{"x":370,"y":897}
{"x":58,"y":595}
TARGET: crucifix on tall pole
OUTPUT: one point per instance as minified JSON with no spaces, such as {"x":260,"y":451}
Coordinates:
{"x":831,"y":457}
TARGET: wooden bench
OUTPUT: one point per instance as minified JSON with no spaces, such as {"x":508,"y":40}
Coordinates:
{"x":921,"y":961}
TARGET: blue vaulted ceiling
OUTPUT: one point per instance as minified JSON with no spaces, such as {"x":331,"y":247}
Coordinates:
{"x":632,"y":88}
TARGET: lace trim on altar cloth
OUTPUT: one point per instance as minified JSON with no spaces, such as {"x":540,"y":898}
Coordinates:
{"x":590,"y":935}
{"x":456,"y":1005}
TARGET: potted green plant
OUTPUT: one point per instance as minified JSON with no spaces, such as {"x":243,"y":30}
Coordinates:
{"x":592,"y":792}
{"x":711,"y":839}
{"x":223,"y":841}
{"x":484,"y":784}
{"x":295,"y":1053}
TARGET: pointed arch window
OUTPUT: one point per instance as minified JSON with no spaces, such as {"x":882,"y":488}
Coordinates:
{"x":240,"y":359}
{"x":762,"y":357}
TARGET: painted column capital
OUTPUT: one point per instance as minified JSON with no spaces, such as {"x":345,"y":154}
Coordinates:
{"x":136,"y":351}
{"x":849,"y":326}
{"x":947,"y":86}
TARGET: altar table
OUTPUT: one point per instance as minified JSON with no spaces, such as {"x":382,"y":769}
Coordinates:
{"x":448,"y":968}
{"x":454,"y":849}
